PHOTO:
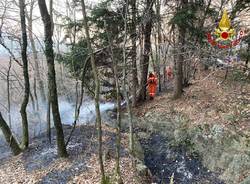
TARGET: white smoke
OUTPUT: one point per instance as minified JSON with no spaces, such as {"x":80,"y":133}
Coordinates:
{"x":38,"y":120}
{"x":87,"y":113}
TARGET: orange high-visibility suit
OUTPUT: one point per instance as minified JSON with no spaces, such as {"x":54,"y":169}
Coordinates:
{"x":169,"y":72}
{"x":152,"y":85}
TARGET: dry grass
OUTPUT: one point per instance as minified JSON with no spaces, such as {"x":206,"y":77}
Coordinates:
{"x":207,"y":101}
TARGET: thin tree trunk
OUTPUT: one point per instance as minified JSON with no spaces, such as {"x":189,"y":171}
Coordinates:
{"x":25,"y":137}
{"x":134,"y":53}
{"x":48,"y":119}
{"x":35,"y":95}
{"x":51,"y":15}
{"x":147,"y":49}
{"x":97,"y":92}
{"x":158,"y":52}
{"x":248,"y":56}
{"x":118,"y":111}
{"x":125,"y":85}
{"x":8,"y":92}
{"x":15,"y":148}
{"x":37,"y":112}
{"x":49,"y":101}
{"x":78,"y":107}
{"x":32,"y":101}
{"x":62,"y":152}
{"x":34,"y":52}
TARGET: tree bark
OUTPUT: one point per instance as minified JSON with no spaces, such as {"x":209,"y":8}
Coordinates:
{"x":147,"y":49}
{"x":48,"y":118}
{"x":158,"y":49}
{"x":97,"y":92}
{"x":134,"y":53}
{"x":8,"y":92}
{"x":178,"y":83}
{"x":15,"y":148}
{"x":62,"y":152}
{"x":25,"y":137}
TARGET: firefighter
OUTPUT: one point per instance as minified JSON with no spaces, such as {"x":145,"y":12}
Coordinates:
{"x":152,"y":85}
{"x":169,"y":72}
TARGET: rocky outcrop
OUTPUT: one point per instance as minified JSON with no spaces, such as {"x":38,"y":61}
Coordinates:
{"x":221,"y":149}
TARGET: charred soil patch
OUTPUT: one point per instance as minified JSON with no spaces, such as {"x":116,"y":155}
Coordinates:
{"x":166,"y":162}
{"x":40,"y":164}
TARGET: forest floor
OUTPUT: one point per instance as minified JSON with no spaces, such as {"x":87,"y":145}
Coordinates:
{"x":40,"y":164}
{"x":211,"y":121}
{"x":207,"y":101}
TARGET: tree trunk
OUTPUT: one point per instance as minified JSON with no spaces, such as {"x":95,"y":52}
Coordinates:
{"x":97,"y":92}
{"x":48,"y":118}
{"x":34,"y":52}
{"x":178,"y":83}
{"x":8,"y":92}
{"x":248,"y":56}
{"x":147,"y":49}
{"x":134,"y":66}
{"x":118,"y":111}
{"x":62,"y":152}
{"x":15,"y":148}
{"x":158,"y":50}
{"x":25,"y":138}
{"x":178,"y":86}
{"x":35,"y":95}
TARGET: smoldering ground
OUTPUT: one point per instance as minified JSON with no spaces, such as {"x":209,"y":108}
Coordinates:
{"x":38,"y":119}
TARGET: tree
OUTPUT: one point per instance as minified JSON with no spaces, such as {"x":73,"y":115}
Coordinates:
{"x":133,"y":50}
{"x":9,"y":137}
{"x":178,"y":83}
{"x":25,"y":138}
{"x":158,"y":51}
{"x":49,"y":52}
{"x":182,"y":11}
{"x":118,"y":110}
{"x":97,"y":92}
{"x":134,"y":74}
{"x":147,"y":28}
{"x":8,"y":91}
{"x":34,"y":52}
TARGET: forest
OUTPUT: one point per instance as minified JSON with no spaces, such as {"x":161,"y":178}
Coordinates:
{"x":125,"y":91}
